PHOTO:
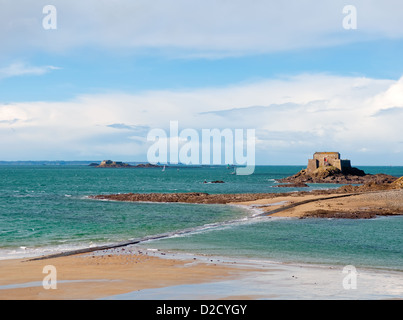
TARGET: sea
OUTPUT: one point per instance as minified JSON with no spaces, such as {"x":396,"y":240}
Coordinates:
{"x":47,"y":209}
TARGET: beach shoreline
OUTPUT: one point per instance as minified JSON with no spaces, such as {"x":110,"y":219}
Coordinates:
{"x":129,"y":271}
{"x":140,"y":273}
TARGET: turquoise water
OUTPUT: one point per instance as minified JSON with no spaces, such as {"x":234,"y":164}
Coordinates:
{"x":45,"y":208}
{"x":374,"y":243}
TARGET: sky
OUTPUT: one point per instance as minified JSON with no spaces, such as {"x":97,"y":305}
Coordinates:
{"x":89,"y":80}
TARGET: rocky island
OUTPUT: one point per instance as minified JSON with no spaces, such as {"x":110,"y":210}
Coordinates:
{"x":118,"y":164}
{"x":327,"y":167}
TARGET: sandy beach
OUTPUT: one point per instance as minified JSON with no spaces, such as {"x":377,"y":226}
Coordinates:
{"x":103,"y":274}
{"x":364,"y":205}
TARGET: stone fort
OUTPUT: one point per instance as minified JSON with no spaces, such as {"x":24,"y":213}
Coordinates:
{"x":324,"y":159}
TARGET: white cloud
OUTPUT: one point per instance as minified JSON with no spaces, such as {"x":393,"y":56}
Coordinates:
{"x":21,"y":69}
{"x":195,"y":28}
{"x":297,"y":115}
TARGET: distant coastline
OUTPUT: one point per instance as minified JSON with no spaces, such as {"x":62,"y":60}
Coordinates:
{"x":60,"y":163}
{"x":97,"y":162}
{"x":170,"y":165}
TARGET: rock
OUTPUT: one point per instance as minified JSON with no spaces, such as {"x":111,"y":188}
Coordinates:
{"x":216,"y":181}
{"x":189,"y":197}
{"x":292,"y":185}
{"x":397,"y":184}
{"x":331,"y":214}
{"x":376,"y":182}
{"x":356,"y":214}
{"x":147,"y":165}
{"x":354,"y":172}
{"x":93,"y":164}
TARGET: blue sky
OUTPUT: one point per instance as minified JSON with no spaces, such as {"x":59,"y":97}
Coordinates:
{"x":91,"y":88}
{"x":98,"y":70}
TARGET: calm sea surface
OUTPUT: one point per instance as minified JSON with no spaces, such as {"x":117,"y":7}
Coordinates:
{"x":45,"y":209}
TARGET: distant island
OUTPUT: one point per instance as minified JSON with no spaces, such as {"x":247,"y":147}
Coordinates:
{"x":118,"y":164}
{"x":90,"y":163}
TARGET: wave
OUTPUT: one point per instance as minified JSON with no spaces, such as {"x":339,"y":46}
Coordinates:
{"x":25,"y":252}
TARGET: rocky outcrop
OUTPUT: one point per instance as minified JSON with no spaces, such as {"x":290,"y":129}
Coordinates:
{"x":189,"y":197}
{"x":357,"y":214}
{"x":378,"y":182}
{"x":147,"y":165}
{"x":215,"y":181}
{"x":332,"y":174}
{"x":397,"y":184}
{"x":292,"y":185}
{"x":93,"y":164}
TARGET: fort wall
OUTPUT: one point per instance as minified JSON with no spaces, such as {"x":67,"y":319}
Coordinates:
{"x":323,"y":159}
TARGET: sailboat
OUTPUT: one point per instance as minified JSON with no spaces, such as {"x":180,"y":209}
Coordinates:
{"x":163,"y":169}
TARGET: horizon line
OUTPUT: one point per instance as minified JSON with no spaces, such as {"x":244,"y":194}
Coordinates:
{"x":27,"y":162}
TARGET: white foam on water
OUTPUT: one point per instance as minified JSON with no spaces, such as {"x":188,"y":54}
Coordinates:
{"x":25,"y":252}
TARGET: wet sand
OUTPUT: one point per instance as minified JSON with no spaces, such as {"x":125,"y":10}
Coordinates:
{"x":137,"y":274}
{"x":102,"y":274}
